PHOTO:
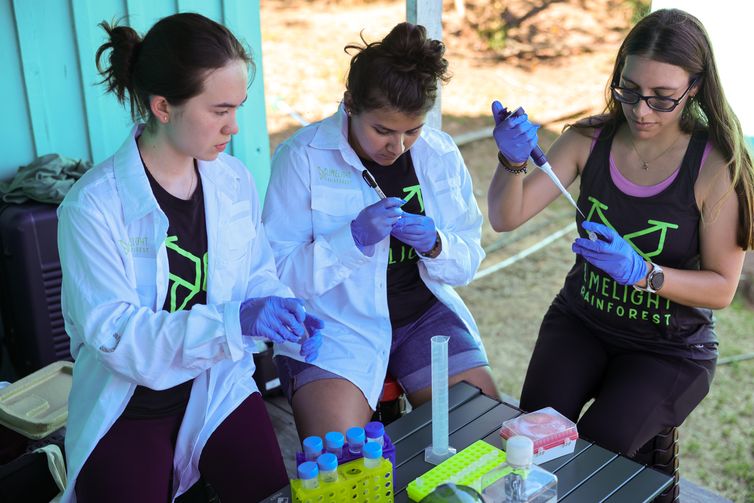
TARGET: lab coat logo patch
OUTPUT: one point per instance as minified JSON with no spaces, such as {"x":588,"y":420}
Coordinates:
{"x":334,"y":176}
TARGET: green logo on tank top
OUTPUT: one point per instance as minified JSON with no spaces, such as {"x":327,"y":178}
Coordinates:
{"x":176,"y":283}
{"x":403,"y":252}
{"x":602,"y":292}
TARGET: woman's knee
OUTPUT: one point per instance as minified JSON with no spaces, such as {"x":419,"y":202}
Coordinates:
{"x":329,"y":405}
{"x":481,"y":377}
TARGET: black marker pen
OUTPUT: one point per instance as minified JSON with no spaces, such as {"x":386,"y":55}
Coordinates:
{"x":372,"y":183}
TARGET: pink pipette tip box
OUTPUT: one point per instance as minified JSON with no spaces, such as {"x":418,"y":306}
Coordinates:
{"x":553,"y":434}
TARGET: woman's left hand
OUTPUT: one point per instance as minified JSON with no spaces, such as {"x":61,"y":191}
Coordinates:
{"x":612,"y":254}
{"x":311,"y":344}
{"x":418,"y":231}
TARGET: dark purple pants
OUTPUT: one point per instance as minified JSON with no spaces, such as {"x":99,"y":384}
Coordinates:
{"x":134,"y":460}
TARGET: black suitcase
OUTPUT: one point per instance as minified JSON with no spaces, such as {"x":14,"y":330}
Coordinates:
{"x":30,"y":278}
{"x":27,"y":479}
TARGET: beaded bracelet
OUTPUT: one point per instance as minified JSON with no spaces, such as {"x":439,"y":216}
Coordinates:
{"x":516,"y":170}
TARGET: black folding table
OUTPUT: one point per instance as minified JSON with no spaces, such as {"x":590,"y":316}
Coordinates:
{"x":591,"y":473}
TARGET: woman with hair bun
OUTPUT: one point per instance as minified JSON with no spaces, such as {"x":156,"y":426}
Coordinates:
{"x":377,"y":266}
{"x":167,"y":278}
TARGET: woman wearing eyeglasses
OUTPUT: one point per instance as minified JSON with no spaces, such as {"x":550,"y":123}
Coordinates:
{"x":667,"y":185}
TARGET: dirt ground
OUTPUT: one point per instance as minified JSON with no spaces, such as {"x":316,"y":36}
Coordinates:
{"x":556,"y":65}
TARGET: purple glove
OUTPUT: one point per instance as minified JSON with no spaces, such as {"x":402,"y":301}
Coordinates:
{"x":275,"y":318}
{"x":612,"y":254}
{"x":515,"y":136}
{"x":417,"y":231}
{"x":312,"y":343}
{"x":373,"y":224}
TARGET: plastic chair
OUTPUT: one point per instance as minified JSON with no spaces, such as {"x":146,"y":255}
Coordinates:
{"x":390,"y":406}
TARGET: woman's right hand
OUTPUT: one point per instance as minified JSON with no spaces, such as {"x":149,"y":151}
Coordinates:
{"x":374,"y":223}
{"x":277,"y":319}
{"x":515,"y":135}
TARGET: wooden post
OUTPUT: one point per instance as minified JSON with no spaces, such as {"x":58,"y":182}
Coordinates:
{"x":428,"y":13}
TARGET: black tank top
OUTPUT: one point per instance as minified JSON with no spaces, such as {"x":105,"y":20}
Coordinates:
{"x":664,"y":228}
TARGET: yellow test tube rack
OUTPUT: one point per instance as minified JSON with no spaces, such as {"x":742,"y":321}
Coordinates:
{"x":355,"y":483}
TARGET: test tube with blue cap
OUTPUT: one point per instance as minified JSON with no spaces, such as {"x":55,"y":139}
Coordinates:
{"x":540,"y":159}
{"x":308,"y":472}
{"x":334,"y":443}
{"x":313,"y":447}
{"x":439,"y":451}
{"x":375,"y":432}
{"x":372,"y":455}
{"x":328,"y":467}
{"x":356,"y":437}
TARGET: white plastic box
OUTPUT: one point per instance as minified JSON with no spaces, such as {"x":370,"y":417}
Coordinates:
{"x":553,"y":434}
{"x":37,"y":404}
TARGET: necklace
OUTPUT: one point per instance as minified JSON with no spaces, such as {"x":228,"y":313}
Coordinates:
{"x":191,"y":185}
{"x":645,"y":164}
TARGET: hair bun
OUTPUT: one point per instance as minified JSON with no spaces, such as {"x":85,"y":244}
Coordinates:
{"x":412,"y":51}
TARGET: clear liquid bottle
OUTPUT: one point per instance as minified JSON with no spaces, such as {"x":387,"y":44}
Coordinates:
{"x":308,"y":472}
{"x":312,"y":448}
{"x":356,"y":437}
{"x":518,"y":480}
{"x":328,"y":467}
{"x":334,"y":443}
{"x":372,"y":455}
{"x":375,"y":432}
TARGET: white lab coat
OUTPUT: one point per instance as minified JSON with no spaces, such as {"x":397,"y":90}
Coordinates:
{"x":315,"y":191}
{"x":111,"y":237}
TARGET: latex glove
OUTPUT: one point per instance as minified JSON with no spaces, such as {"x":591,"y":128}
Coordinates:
{"x":275,"y":318}
{"x":612,"y":254}
{"x":516,"y":137}
{"x":311,"y":344}
{"x":418,"y":231}
{"x":373,"y":224}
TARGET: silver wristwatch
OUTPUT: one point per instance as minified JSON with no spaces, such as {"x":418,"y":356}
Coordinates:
{"x":655,"y":279}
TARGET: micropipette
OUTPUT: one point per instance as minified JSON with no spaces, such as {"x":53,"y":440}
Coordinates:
{"x":540,"y":159}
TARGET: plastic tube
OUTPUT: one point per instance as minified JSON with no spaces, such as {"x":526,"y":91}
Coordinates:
{"x":334,"y":443}
{"x":372,"y":455}
{"x":328,"y":467}
{"x":375,"y":432}
{"x":355,"y":437}
{"x":313,"y":447}
{"x":439,"y":450}
{"x":308,"y":471}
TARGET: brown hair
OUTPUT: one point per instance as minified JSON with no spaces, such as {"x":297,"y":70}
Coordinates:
{"x":172,"y":60}
{"x":675,"y":37}
{"x":400,"y":72}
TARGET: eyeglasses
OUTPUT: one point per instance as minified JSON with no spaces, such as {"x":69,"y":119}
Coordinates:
{"x":659,"y":103}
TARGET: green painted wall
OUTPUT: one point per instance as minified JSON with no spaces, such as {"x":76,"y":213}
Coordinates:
{"x":51,"y":101}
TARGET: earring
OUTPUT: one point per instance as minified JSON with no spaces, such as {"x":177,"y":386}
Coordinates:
{"x":164,"y":119}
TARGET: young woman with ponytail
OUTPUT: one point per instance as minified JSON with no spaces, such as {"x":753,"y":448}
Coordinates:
{"x":167,"y":277}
